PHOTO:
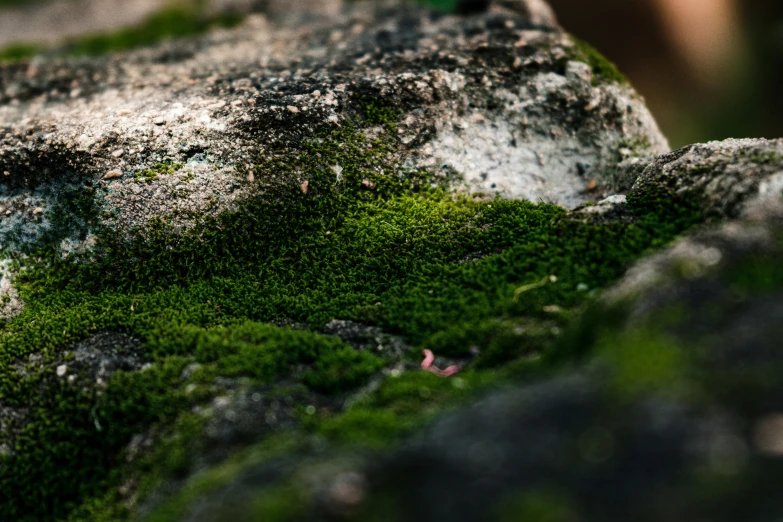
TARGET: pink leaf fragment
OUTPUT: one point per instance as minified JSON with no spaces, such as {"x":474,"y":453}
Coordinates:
{"x":426,"y":365}
{"x":448,"y":372}
{"x":429,"y":358}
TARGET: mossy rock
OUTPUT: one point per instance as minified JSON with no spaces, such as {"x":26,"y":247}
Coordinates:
{"x":227,"y":254}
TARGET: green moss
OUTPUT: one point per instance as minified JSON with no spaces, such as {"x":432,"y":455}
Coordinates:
{"x":284,"y":504}
{"x":155,"y":172}
{"x":208,"y":481}
{"x":494,"y":341}
{"x":645,"y":360}
{"x":174,"y":22}
{"x":762,"y":157}
{"x":375,"y":244}
{"x":377,"y":112}
{"x":542,"y":505}
{"x":604,"y":71}
{"x":441,"y":5}
{"x":759,"y":275}
{"x":399,"y":405}
{"x":639,"y":147}
{"x":265,"y":353}
{"x":672,"y":210}
{"x":19,"y":51}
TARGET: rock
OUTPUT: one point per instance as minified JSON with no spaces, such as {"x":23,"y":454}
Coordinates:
{"x":712,"y":305}
{"x":722,"y":179}
{"x":10,"y":303}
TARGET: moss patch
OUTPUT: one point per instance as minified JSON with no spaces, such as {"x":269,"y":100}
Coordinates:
{"x":18,"y":52}
{"x":175,"y":22}
{"x":604,"y":71}
{"x":368,"y":242}
{"x":155,"y":172}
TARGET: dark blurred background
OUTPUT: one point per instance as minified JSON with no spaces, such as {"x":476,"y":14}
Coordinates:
{"x":709,"y":69}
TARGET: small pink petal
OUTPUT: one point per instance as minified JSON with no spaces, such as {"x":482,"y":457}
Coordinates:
{"x":429,"y":357}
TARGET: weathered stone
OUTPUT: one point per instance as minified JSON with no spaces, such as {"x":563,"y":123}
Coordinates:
{"x":722,"y":179}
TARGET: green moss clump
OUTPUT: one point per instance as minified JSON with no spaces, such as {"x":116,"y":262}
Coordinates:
{"x":604,"y":71}
{"x":155,"y":172}
{"x":375,"y":244}
{"x":18,"y":52}
{"x":174,"y":22}
{"x":376,"y":112}
{"x":69,"y":424}
{"x":264,"y":352}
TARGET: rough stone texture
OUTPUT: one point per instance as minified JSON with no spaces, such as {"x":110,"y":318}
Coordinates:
{"x":363,"y":337}
{"x":728,"y":177}
{"x":98,"y":357}
{"x":500,"y":97}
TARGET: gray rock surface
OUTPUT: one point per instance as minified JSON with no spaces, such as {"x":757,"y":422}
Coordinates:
{"x":724,"y":179}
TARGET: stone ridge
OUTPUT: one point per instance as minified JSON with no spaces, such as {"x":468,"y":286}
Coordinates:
{"x":731,"y":177}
